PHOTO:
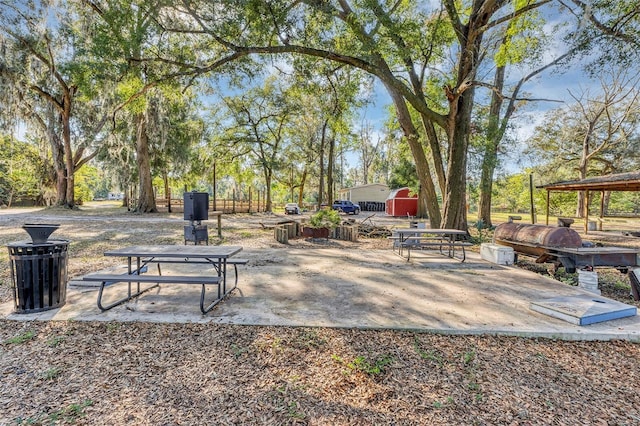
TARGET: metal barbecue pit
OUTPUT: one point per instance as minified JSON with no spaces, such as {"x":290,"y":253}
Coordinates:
{"x":564,"y":246}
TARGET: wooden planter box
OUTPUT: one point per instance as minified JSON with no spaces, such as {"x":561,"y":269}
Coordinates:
{"x":315,"y":232}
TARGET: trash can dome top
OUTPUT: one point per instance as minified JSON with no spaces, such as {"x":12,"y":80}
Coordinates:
{"x":40,"y":233}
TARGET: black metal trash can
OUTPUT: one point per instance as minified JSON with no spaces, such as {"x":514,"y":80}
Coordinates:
{"x":39,"y":274}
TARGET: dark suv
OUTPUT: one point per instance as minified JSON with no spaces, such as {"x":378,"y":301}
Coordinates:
{"x":346,"y":206}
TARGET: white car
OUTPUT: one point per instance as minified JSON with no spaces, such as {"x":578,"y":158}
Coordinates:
{"x":292,"y":208}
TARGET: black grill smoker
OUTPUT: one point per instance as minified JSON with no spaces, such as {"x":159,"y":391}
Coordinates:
{"x":196,"y":209}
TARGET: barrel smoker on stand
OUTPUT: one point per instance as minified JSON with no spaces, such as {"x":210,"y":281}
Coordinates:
{"x":563,"y":246}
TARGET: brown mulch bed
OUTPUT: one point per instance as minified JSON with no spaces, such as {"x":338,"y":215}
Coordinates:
{"x":170,"y":374}
{"x":166,"y":374}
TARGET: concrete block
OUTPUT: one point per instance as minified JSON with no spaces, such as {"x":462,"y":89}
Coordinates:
{"x":588,"y":280}
{"x":496,"y":253}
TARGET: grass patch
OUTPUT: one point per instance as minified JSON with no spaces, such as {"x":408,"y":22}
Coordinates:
{"x":432,"y":355}
{"x":21,"y":338}
{"x":360,"y":363}
{"x":70,"y":414}
{"x":55,"y":341}
{"x":51,"y":373}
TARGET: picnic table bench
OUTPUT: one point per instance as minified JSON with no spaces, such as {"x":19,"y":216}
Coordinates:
{"x":109,"y":279}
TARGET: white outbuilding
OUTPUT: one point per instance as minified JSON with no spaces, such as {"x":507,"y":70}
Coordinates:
{"x":370,"y":197}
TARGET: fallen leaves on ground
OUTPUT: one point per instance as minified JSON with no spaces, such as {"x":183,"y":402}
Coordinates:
{"x":166,"y":374}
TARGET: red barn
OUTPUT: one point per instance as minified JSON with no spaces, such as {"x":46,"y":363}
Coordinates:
{"x":400,"y":203}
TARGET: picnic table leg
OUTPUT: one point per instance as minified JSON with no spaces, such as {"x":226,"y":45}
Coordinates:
{"x":124,"y":299}
{"x":212,"y":304}
{"x":128,"y":284}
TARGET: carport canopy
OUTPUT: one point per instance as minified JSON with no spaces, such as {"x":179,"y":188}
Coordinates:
{"x":617,"y":182}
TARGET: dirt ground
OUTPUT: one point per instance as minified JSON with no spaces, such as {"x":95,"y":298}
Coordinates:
{"x":165,"y":374}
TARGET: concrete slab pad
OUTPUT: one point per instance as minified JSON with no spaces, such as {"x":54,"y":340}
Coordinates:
{"x":364,"y":288}
{"x":584,"y":309}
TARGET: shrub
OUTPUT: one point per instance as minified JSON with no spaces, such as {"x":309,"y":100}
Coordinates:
{"x":325,"y":218}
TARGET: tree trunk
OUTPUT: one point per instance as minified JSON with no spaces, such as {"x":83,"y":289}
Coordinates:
{"x":267,"y":180}
{"x":422,"y":204}
{"x":61,"y":183}
{"x":65,"y":117}
{"x":303,"y":181}
{"x":455,"y":212}
{"x":422,"y":166}
{"x":490,"y":157}
{"x":321,"y":172}
{"x":57,"y":156}
{"x":167,"y":190}
{"x":146,"y":197}
{"x":330,"y":169}
{"x":459,"y":118}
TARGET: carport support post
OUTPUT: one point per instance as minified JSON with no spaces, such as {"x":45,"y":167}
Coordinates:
{"x":548,"y":192}
{"x":601,"y":210}
{"x":586,"y":211}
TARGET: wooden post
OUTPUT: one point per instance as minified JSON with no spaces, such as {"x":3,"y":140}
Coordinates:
{"x":601,"y":211}
{"x":585,"y":210}
{"x":233,"y":201}
{"x":249,"y":209}
{"x":548,"y":192}
{"x":215,"y":206}
{"x":218,"y":215}
{"x":281,"y":234}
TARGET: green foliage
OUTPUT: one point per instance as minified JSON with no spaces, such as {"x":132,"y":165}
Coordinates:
{"x":51,"y":373}
{"x":21,"y":338}
{"x":56,"y":341}
{"x":87,"y":183}
{"x":431,"y":355}
{"x":372,"y":368}
{"x":522,"y":39}
{"x":365,"y":365}
{"x":70,"y":414}
{"x":403,"y":174}
{"x":21,"y":171}
{"x":325,"y":218}
{"x":469,"y":356}
{"x":483,"y":233}
{"x":511,"y":193}
{"x":623,"y":202}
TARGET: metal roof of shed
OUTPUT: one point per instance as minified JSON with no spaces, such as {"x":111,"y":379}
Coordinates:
{"x":618,"y":182}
